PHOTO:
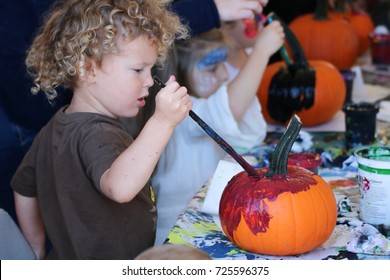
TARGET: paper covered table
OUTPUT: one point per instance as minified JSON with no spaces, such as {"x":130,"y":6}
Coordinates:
{"x":351,"y":239}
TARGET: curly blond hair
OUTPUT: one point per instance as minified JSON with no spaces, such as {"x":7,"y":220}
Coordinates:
{"x":79,"y":30}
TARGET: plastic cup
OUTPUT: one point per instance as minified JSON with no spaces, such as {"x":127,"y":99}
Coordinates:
{"x":380,"y":49}
{"x":360,"y":123}
{"x":306,"y":160}
{"x":374,"y":182}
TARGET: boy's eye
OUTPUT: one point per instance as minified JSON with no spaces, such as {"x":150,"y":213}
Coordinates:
{"x":138,"y":70}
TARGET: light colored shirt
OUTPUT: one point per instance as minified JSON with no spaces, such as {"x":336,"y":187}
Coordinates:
{"x":192,"y":156}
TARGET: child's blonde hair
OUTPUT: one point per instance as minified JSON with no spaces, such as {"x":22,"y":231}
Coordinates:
{"x":173,"y":252}
{"x":79,"y":30}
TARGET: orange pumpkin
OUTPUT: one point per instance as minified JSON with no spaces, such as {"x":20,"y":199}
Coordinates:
{"x":326,"y":38}
{"x":360,"y":21}
{"x":329,"y":95}
{"x":363,"y":26}
{"x":286,"y":210}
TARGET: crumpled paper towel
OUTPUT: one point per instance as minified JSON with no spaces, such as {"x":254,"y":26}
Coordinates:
{"x":222,"y":175}
{"x":368,"y":240}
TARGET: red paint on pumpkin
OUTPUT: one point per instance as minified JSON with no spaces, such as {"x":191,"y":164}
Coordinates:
{"x":278,"y":215}
{"x":254,"y":192}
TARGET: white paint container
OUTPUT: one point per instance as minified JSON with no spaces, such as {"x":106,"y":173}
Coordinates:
{"x":374,"y":182}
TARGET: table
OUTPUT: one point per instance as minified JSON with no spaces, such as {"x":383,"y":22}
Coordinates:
{"x":201,"y":230}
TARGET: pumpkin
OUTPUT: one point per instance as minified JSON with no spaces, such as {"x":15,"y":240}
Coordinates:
{"x":326,"y":38}
{"x":363,"y":26}
{"x":360,"y":21}
{"x":315,"y":90}
{"x":329,"y":96}
{"x":285,"y":210}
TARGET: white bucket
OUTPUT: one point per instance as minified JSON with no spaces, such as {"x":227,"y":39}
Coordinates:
{"x":374,"y":181}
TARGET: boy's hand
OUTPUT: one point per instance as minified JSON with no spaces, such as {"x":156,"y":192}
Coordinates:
{"x":271,"y":38}
{"x":172,"y":103}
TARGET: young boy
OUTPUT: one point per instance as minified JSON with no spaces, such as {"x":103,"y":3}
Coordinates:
{"x":85,"y":181}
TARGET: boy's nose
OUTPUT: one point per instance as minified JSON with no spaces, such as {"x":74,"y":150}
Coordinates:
{"x":149,"y":80}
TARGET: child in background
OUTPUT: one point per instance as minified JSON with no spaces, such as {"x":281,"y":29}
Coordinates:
{"x":240,"y":37}
{"x":231,"y":109}
{"x":85,"y":180}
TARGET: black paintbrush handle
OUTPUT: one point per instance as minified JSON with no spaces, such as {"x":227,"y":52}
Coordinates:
{"x":218,"y":139}
{"x":283,"y":51}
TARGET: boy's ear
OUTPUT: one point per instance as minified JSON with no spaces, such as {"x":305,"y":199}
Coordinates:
{"x":90,"y":67}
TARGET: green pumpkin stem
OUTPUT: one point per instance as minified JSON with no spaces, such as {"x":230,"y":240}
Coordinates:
{"x":278,"y":163}
{"x":340,"y":6}
{"x":321,"y":11}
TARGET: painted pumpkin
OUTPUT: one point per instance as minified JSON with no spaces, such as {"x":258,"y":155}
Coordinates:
{"x":320,"y":105}
{"x":326,"y":38}
{"x":285,"y":210}
{"x":315,"y":90}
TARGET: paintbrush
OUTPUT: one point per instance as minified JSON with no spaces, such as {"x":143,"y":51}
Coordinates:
{"x":292,"y":88}
{"x":218,"y":139}
{"x":283,"y":51}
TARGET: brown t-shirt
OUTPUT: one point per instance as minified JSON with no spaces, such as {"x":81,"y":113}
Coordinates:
{"x":63,"y":169}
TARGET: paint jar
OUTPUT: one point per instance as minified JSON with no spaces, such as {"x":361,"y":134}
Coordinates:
{"x":374,"y":183}
{"x":348,"y":76}
{"x":380,"y":49}
{"x":311,"y":162}
{"x":360,"y":123}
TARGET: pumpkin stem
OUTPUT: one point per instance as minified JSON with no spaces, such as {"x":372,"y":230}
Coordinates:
{"x":321,"y":11}
{"x":340,"y":6}
{"x":278,"y":163}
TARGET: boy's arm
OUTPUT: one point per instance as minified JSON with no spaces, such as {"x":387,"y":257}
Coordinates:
{"x":30,"y":222}
{"x":130,"y":171}
{"x":242,"y":90}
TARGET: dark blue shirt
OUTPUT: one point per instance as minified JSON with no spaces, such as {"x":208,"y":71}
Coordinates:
{"x":19,"y":22}
{"x":199,"y":15}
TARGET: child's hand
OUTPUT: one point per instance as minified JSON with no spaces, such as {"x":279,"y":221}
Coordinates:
{"x":172,"y":103}
{"x":271,"y":38}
